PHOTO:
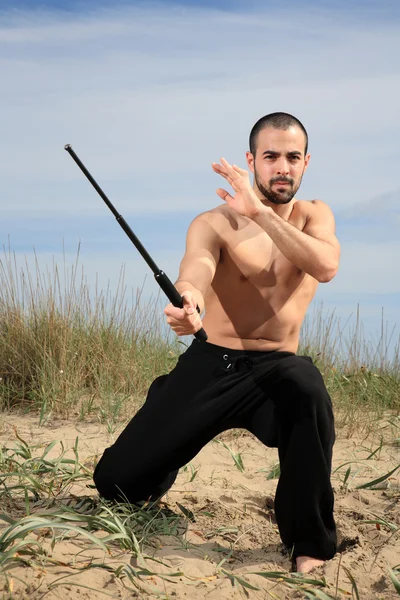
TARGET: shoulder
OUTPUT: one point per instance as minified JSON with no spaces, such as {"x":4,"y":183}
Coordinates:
{"x":219,"y":218}
{"x":311,"y":205}
{"x":313,"y":209}
{"x":318,"y":220}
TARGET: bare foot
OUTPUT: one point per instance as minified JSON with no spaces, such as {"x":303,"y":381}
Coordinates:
{"x":305,"y":564}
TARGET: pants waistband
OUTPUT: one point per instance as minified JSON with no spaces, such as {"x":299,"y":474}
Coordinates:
{"x":222,"y":351}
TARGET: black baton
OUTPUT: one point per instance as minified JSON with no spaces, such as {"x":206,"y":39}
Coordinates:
{"x":163,"y":281}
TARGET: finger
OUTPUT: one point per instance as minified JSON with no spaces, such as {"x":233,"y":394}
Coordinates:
{"x":232,"y":171}
{"x":189,"y":305}
{"x":227,"y":166}
{"x":188,"y":326}
{"x":187,"y":330}
{"x":240,"y":170}
{"x":225,"y":162}
{"x":174,"y":322}
{"x":219,"y":170}
{"x":229,"y":176}
{"x":224,"y":195}
{"x":175,"y":314}
{"x":187,"y":321}
{"x":235,"y":175}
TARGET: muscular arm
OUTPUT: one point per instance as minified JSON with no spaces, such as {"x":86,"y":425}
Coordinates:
{"x":199,"y":263}
{"x":314,"y":250}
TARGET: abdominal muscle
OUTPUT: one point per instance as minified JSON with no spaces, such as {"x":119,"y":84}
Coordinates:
{"x":250,"y":318}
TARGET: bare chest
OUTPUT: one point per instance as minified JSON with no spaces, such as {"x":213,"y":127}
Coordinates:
{"x":250,"y":255}
{"x":258,"y":262}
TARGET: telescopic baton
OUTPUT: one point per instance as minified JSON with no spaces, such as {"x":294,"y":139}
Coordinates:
{"x":163,"y":281}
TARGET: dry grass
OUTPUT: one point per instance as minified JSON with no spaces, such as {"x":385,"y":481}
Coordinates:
{"x":63,"y":345}
{"x":66,"y":348}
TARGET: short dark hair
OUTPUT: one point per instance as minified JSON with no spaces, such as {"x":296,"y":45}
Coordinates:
{"x":277,"y":120}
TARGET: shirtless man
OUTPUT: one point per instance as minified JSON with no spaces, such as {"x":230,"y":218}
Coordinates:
{"x":253,"y":265}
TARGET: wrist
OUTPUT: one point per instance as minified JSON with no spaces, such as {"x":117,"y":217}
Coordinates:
{"x":260,"y":212}
{"x":185,"y":286}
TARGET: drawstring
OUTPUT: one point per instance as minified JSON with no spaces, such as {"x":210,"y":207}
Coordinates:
{"x":234,"y":364}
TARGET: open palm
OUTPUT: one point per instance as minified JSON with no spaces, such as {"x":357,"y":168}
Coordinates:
{"x":245,"y":201}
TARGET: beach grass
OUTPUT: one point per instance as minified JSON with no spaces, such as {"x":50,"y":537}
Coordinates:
{"x":70,"y":350}
{"x":63,"y":345}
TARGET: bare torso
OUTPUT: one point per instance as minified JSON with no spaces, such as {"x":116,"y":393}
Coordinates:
{"x":258,"y":299}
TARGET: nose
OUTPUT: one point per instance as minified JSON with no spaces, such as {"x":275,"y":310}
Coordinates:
{"x":282,"y":166}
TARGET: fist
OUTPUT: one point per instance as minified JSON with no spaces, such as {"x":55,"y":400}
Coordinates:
{"x":186,"y":320}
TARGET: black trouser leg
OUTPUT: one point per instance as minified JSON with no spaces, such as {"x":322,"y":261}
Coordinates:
{"x":183,"y":411}
{"x":305,"y":437}
{"x":163,"y":436}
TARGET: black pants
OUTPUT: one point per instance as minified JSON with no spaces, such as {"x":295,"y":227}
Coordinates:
{"x":278,"y":396}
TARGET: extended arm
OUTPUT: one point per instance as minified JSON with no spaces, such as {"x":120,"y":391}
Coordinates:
{"x":196,"y":273}
{"x":199,"y":263}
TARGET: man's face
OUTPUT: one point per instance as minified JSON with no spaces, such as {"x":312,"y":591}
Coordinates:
{"x":279,"y":163}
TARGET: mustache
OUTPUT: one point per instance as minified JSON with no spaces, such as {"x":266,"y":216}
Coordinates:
{"x":281,"y":179}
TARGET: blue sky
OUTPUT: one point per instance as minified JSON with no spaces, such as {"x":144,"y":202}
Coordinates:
{"x":149,"y":94}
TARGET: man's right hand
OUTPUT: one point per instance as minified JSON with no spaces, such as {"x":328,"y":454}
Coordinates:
{"x":186,"y":320}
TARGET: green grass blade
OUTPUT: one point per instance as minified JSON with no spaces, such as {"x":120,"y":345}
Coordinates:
{"x":297,"y":578}
{"x":318,"y":594}
{"x":346,"y":476}
{"x":241,"y":581}
{"x":370,"y":484}
{"x":396,"y":582}
{"x":28,"y":524}
{"x":10,"y":555}
{"x":187,"y":512}
{"x":48,"y":448}
{"x":274,"y":472}
{"x":237,"y":458}
{"x":353,"y":583}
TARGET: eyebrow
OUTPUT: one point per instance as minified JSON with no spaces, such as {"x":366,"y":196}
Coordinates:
{"x":274,"y":153}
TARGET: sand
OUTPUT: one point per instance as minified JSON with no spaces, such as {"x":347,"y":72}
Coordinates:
{"x":231,"y":533}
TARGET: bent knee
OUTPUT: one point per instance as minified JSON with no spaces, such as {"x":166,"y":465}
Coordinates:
{"x":112,"y":487}
{"x":104,"y":479}
{"x":109,"y":481}
{"x":116,"y":481}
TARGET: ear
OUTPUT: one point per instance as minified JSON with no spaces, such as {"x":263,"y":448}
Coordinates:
{"x":307,"y":160}
{"x":250,"y":161}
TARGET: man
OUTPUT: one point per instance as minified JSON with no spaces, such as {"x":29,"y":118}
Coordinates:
{"x":253,"y":264}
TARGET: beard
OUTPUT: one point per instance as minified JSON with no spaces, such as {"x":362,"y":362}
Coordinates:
{"x":282,"y":195}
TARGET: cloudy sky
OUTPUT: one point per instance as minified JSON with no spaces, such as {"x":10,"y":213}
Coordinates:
{"x":150,"y":94}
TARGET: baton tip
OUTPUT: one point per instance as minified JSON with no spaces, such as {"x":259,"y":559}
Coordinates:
{"x":67,"y":147}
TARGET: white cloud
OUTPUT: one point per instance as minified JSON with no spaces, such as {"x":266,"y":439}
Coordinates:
{"x":149,"y":94}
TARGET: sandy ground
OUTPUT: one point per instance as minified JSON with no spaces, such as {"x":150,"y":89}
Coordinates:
{"x":233,"y":532}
